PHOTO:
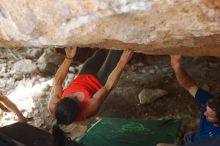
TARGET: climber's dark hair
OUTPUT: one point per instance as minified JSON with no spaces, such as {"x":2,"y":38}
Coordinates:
{"x":66,"y":111}
{"x":60,"y":139}
{"x":214,"y":104}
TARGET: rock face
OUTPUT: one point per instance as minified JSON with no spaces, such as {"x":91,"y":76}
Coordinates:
{"x":150,"y":95}
{"x":189,"y":27}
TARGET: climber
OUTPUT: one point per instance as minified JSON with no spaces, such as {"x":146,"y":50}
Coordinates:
{"x":88,"y":90}
{"x":210,"y":106}
{"x":12,"y":107}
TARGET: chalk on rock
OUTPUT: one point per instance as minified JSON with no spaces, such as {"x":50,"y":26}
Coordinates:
{"x":150,"y":95}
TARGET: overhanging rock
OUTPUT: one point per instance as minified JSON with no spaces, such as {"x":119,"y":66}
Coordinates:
{"x":188,"y":27}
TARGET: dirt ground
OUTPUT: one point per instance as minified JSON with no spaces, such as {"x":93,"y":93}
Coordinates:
{"x":143,"y":71}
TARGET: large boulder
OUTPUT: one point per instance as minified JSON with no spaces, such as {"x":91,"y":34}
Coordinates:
{"x":190,"y":27}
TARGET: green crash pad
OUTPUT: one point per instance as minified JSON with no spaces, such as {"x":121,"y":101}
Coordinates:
{"x":125,"y":132}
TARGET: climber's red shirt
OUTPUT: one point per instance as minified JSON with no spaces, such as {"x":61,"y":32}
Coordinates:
{"x":87,"y":84}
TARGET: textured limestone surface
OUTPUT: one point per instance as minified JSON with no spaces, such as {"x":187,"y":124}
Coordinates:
{"x":189,"y":27}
